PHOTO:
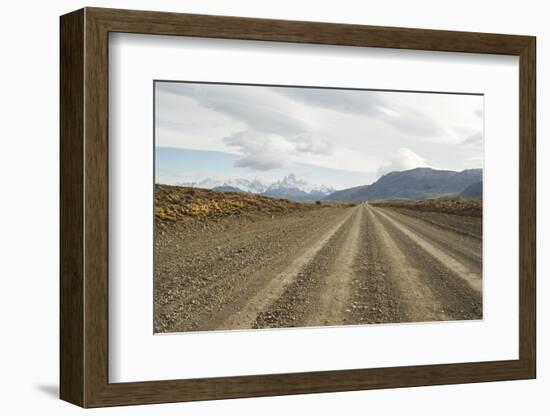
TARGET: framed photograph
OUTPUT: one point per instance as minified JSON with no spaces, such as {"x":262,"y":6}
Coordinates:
{"x":255,"y":207}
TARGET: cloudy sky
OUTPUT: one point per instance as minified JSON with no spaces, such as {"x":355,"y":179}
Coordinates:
{"x":338,"y":137}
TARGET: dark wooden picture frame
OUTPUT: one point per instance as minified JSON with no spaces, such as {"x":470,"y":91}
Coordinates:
{"x":84,"y":207}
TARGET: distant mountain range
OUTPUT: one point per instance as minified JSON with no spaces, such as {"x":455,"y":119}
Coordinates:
{"x":419,"y":183}
{"x":292,"y":188}
{"x":473,"y":191}
{"x":238,"y":185}
{"x":289,"y":187}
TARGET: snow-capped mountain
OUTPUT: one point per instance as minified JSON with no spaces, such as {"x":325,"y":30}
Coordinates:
{"x":289,"y":187}
{"x":245,"y":185}
{"x":292,"y":188}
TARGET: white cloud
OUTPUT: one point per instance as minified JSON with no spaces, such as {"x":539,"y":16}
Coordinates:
{"x":475,"y":139}
{"x":345,"y":101}
{"x":261,"y":151}
{"x":354,"y":130}
{"x":402,"y":159}
{"x":265,"y":111}
{"x":310,"y":143}
{"x":266,"y":151}
{"x":400,"y":114}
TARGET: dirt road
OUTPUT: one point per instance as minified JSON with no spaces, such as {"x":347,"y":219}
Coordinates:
{"x":331,"y":266}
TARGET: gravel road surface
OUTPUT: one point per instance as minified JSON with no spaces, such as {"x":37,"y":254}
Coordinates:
{"x":331,"y":266}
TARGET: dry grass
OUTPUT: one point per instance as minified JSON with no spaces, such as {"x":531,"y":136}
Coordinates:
{"x":455,"y":206}
{"x":174,"y":203}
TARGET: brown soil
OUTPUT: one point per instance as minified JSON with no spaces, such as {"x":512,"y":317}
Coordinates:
{"x":315,"y":265}
{"x":454,"y":206}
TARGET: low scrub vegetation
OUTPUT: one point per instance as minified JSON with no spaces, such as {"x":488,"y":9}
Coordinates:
{"x":173,"y":203}
{"x":455,"y":206}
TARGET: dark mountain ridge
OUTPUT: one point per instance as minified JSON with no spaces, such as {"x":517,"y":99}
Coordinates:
{"x":419,"y":183}
{"x":473,"y":191}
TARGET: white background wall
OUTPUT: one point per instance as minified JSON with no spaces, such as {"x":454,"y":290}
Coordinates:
{"x":29,"y":207}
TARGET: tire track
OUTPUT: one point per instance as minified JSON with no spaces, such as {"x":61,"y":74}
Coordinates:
{"x":460,"y":268}
{"x":274,"y":287}
{"x":321,"y":294}
{"x":335,"y":266}
{"x":454,"y":224}
{"x":464,"y":248}
{"x":199,"y":290}
{"x":335,"y":299}
{"x":418,"y":300}
{"x":376,"y":298}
